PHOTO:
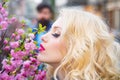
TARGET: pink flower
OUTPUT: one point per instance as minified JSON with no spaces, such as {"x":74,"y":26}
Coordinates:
{"x":20,"y":31}
{"x":13,"y":35}
{"x":22,"y":61}
{"x":2,"y":10}
{"x":16,"y":63}
{"x":5,"y":14}
{"x":13,"y":19}
{"x":5,"y":41}
{"x":18,"y":55}
{"x":0,"y":6}
{"x":1,"y":17}
{"x":17,"y":37}
{"x":5,"y":76}
{"x":40,"y":76}
{"x":14,"y":44}
{"x":19,"y":77}
{"x":25,"y":73}
{"x":7,"y":66}
{"x":7,"y":48}
{"x":33,"y":59}
{"x":31,"y":35}
{"x":3,"y":25}
{"x":6,"y":19}
{"x":30,"y":46}
{"x":26,"y":64}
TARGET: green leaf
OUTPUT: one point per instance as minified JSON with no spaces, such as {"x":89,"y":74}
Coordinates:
{"x":25,"y":57}
{"x":10,"y":16}
{"x":5,"y":6}
{"x":0,"y":27}
{"x":7,"y":39}
{"x":23,"y":36}
{"x":20,"y":41}
{"x":15,"y":32}
{"x":8,"y":62}
{"x":22,"y":47}
{"x":0,"y":51}
{"x":29,"y":30}
{"x":32,"y":52}
{"x":17,"y":49}
{"x":23,"y":21}
{"x":6,"y":0}
{"x":41,"y":28}
{"x":35,"y":42}
{"x":30,"y":77}
{"x":9,"y":56}
{"x":44,"y":28}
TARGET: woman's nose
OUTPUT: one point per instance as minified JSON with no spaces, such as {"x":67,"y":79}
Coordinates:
{"x":44,"y":38}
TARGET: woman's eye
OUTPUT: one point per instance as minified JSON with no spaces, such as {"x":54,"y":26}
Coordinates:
{"x":56,"y":35}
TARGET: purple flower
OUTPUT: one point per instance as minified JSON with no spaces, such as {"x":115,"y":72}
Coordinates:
{"x":14,"y":44}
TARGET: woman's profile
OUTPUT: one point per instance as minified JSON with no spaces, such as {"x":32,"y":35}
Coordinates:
{"x":80,"y":47}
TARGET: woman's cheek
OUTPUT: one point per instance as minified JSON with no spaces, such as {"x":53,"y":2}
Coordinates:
{"x":55,"y":47}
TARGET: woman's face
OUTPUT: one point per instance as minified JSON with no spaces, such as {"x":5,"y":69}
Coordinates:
{"x":53,"y":46}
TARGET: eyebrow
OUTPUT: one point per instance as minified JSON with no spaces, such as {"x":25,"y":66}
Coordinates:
{"x":56,"y":27}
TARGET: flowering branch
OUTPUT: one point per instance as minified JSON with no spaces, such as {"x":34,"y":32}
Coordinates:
{"x":20,"y":62}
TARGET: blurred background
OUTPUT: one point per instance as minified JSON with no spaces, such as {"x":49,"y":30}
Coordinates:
{"x":109,"y":10}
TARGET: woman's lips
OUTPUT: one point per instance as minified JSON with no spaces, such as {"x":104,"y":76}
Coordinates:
{"x":41,"y":48}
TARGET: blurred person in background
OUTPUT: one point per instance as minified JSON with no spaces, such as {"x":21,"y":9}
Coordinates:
{"x":44,"y":16}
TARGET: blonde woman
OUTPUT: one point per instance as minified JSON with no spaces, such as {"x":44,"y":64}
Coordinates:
{"x":79,"y":47}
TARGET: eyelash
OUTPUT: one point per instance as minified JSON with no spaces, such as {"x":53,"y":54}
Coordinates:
{"x":56,"y":35}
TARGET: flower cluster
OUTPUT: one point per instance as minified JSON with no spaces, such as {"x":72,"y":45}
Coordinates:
{"x":4,"y":20}
{"x":21,"y":63}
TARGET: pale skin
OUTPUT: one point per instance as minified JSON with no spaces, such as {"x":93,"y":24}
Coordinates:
{"x":55,"y":48}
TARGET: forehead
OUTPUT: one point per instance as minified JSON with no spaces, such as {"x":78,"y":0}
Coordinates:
{"x":58,"y":23}
{"x":44,"y":10}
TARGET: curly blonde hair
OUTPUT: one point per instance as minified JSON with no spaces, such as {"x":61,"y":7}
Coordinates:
{"x":92,"y":53}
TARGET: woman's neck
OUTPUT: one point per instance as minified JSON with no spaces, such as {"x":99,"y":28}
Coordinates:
{"x":60,"y":73}
{"x":54,"y":65}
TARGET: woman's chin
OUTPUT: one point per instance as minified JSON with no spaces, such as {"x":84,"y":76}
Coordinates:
{"x":41,"y":57}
